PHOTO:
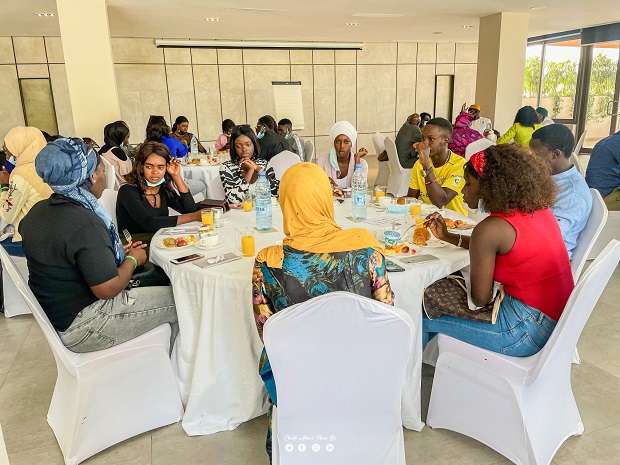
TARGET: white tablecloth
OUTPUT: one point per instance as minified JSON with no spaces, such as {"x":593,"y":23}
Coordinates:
{"x":204,"y":173}
{"x":219,"y":348}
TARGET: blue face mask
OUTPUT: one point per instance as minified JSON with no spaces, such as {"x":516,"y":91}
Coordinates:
{"x":287,"y":136}
{"x":260,"y":135}
{"x":159,"y":183}
{"x":481,"y":206}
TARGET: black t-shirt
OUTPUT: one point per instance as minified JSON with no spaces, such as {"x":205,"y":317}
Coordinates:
{"x":134,"y":213}
{"x":272,"y":144}
{"x":68,"y":249}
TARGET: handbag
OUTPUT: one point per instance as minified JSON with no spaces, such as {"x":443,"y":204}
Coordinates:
{"x":214,"y":203}
{"x":148,"y":275}
{"x":448,"y":296}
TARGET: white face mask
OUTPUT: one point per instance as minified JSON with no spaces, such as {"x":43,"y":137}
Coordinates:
{"x":481,"y":206}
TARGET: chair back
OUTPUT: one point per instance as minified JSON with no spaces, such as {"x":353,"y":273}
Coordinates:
{"x":283,"y":161}
{"x":378,"y":141}
{"x":477,"y":146}
{"x":339,"y":361}
{"x":110,"y":173}
{"x":398,"y":184}
{"x":579,"y":144}
{"x":215,"y":188}
{"x":589,"y":234}
{"x":108,"y":201}
{"x":574,"y":156}
{"x":560,"y":347}
{"x":308,"y":151}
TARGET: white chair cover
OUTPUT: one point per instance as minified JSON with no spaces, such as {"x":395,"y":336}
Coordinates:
{"x":589,"y":234}
{"x":339,"y":361}
{"x":383,"y":175}
{"x":283,"y":161}
{"x":102,"y":398}
{"x":574,"y":156}
{"x":108,"y":201}
{"x":398,"y":185}
{"x":378,"y":141}
{"x":14,"y":303}
{"x":477,"y":146}
{"x":110,"y":173}
{"x":610,"y":231}
{"x":215,"y":188}
{"x":523,"y":407}
{"x":308,"y":151}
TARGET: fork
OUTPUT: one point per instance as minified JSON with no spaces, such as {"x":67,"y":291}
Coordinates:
{"x":127,"y":235}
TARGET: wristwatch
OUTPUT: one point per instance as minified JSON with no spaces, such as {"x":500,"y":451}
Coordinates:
{"x":428,"y":171}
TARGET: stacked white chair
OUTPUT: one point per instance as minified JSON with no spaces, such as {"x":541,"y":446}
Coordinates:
{"x":108,"y":202}
{"x":215,"y":188}
{"x":339,"y":361}
{"x":110,"y":173}
{"x":283,"y":161}
{"x":398,"y":185}
{"x":523,"y":407}
{"x":308,"y":151}
{"x":383,"y":175}
{"x":102,"y":398}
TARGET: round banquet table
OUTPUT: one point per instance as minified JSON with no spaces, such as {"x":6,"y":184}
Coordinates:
{"x":217,"y":351}
{"x":204,"y":173}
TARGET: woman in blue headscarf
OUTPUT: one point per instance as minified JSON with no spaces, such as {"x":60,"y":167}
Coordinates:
{"x":79,"y":270}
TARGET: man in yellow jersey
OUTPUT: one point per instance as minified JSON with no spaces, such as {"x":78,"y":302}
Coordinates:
{"x":437,"y":176}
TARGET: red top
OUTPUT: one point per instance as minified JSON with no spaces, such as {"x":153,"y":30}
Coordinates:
{"x":537,"y":270}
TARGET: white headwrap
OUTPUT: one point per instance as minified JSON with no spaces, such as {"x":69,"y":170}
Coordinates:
{"x":341,"y":127}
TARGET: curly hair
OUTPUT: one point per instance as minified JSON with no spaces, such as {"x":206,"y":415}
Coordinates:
{"x":136,"y":176}
{"x":515,"y":180}
{"x":526,"y":116}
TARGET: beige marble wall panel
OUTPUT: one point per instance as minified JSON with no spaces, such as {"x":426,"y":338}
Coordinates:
{"x":53,"y":47}
{"x":346,"y":57}
{"x":324,"y":99}
{"x":229,"y":57}
{"x":323,"y":57}
{"x":11,"y":111}
{"x":445,"y":52}
{"x":322,"y":146}
{"x":427,"y":52}
{"x":425,"y":89}
{"x":142,"y":92}
{"x":365,"y":140}
{"x":376,"y":98}
{"x":6,"y":51}
{"x":444,"y":68}
{"x":204,"y":56}
{"x":175,"y":56}
{"x":377,"y":53}
{"x":181,"y":94}
{"x":303,"y":73}
{"x":346,"y":93}
{"x":407,"y":52}
{"x":32,"y":71}
{"x":464,"y":86}
{"x":405,"y":95}
{"x":265,"y":57}
{"x":208,"y":105}
{"x":259,"y":90}
{"x":301,"y":57}
{"x":466,"y":52}
{"x":232,"y":93}
{"x":62,"y":100}
{"x":125,"y":50}
{"x":29,"y":50}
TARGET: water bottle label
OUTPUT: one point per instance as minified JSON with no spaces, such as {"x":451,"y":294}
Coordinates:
{"x":359,"y":199}
{"x":261,"y":209}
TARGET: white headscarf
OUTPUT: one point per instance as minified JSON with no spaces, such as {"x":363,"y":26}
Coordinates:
{"x":341,"y":127}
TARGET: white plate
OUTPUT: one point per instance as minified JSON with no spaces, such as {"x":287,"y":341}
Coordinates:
{"x":209,"y":247}
{"x":433,"y":243}
{"x":160,"y":245}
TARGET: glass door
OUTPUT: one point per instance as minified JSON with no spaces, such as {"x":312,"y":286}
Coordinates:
{"x":601,"y":115}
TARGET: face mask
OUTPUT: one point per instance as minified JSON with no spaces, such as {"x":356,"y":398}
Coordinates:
{"x":481,"y":206}
{"x":182,"y":132}
{"x":12,"y":160}
{"x":160,"y":182}
{"x":260,"y":135}
{"x":287,"y":135}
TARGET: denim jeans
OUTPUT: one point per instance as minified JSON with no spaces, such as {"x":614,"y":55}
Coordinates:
{"x":106,"y":323}
{"x":519,"y":331}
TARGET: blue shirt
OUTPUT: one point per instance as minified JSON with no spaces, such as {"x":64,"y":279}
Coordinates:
{"x":177,"y":148}
{"x":603,"y":172}
{"x":572,"y":207}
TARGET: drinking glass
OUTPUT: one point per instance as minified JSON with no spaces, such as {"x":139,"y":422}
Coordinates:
{"x":218,"y":217}
{"x":246,"y":241}
{"x":419,"y":220}
{"x":206,"y":216}
{"x":247,"y":203}
{"x":379,"y":192}
{"x":414,"y":207}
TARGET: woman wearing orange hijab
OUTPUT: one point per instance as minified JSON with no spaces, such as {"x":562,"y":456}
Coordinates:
{"x":317,"y":257}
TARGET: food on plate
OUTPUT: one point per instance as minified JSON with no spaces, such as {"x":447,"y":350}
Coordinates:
{"x":449,"y":223}
{"x":172,"y":242}
{"x":338,"y":193}
{"x":459,"y":223}
{"x":194,"y":161}
{"x":401,"y":200}
{"x":399,"y":249}
{"x":421,"y":235}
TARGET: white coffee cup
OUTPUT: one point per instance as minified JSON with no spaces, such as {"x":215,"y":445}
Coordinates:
{"x":209,"y":239}
{"x":385,"y":201}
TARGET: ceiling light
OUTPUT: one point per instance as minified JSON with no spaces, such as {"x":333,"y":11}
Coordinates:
{"x":255,"y":10}
{"x":377,"y":15}
{"x":259,"y":44}
{"x":351,"y":24}
{"x":46,"y":15}
{"x":541,"y":7}
{"x":213,"y":20}
{"x":468,"y":26}
{"x":437,"y":32}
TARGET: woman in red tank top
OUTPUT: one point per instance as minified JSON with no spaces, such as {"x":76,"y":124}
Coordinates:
{"x":519,"y":245}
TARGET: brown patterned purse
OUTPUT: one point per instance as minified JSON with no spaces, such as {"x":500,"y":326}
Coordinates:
{"x":448,"y":296}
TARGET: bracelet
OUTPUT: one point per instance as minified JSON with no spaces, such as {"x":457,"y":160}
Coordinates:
{"x":430,"y":182}
{"x":458,"y":245}
{"x":135,"y":262}
{"x":4,"y":188}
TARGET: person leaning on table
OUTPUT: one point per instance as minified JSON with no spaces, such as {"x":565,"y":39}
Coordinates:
{"x":519,"y":245}
{"x":78,"y":267}
{"x":317,"y":257}
{"x":437,"y":176}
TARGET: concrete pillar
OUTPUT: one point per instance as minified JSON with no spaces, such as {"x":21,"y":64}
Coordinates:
{"x":501,"y":65}
{"x":86,"y":45}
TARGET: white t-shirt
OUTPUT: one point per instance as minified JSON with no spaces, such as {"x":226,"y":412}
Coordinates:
{"x":481,"y":124}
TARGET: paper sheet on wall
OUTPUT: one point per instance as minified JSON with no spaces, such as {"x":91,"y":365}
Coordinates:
{"x":289,"y":104}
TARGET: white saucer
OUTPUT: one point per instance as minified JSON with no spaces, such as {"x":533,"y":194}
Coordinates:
{"x":209,"y":247}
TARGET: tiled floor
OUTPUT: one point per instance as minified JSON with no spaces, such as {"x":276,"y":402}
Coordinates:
{"x":28,"y":373}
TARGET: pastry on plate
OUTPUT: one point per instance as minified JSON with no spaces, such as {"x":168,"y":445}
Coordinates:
{"x":421,"y":235}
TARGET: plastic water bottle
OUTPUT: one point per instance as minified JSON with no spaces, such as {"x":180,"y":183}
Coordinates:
{"x":194,"y":145}
{"x":262,"y":192}
{"x":358,"y":193}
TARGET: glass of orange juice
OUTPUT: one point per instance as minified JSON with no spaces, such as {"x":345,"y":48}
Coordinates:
{"x":415,"y":209}
{"x":247,"y":203}
{"x":206,"y":216}
{"x":419,"y":219}
{"x":379,"y":192}
{"x":246,"y":241}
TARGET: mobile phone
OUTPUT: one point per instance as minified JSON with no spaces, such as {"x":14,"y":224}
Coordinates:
{"x":187,"y":258}
{"x":418,"y":259}
{"x":392,"y":267}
